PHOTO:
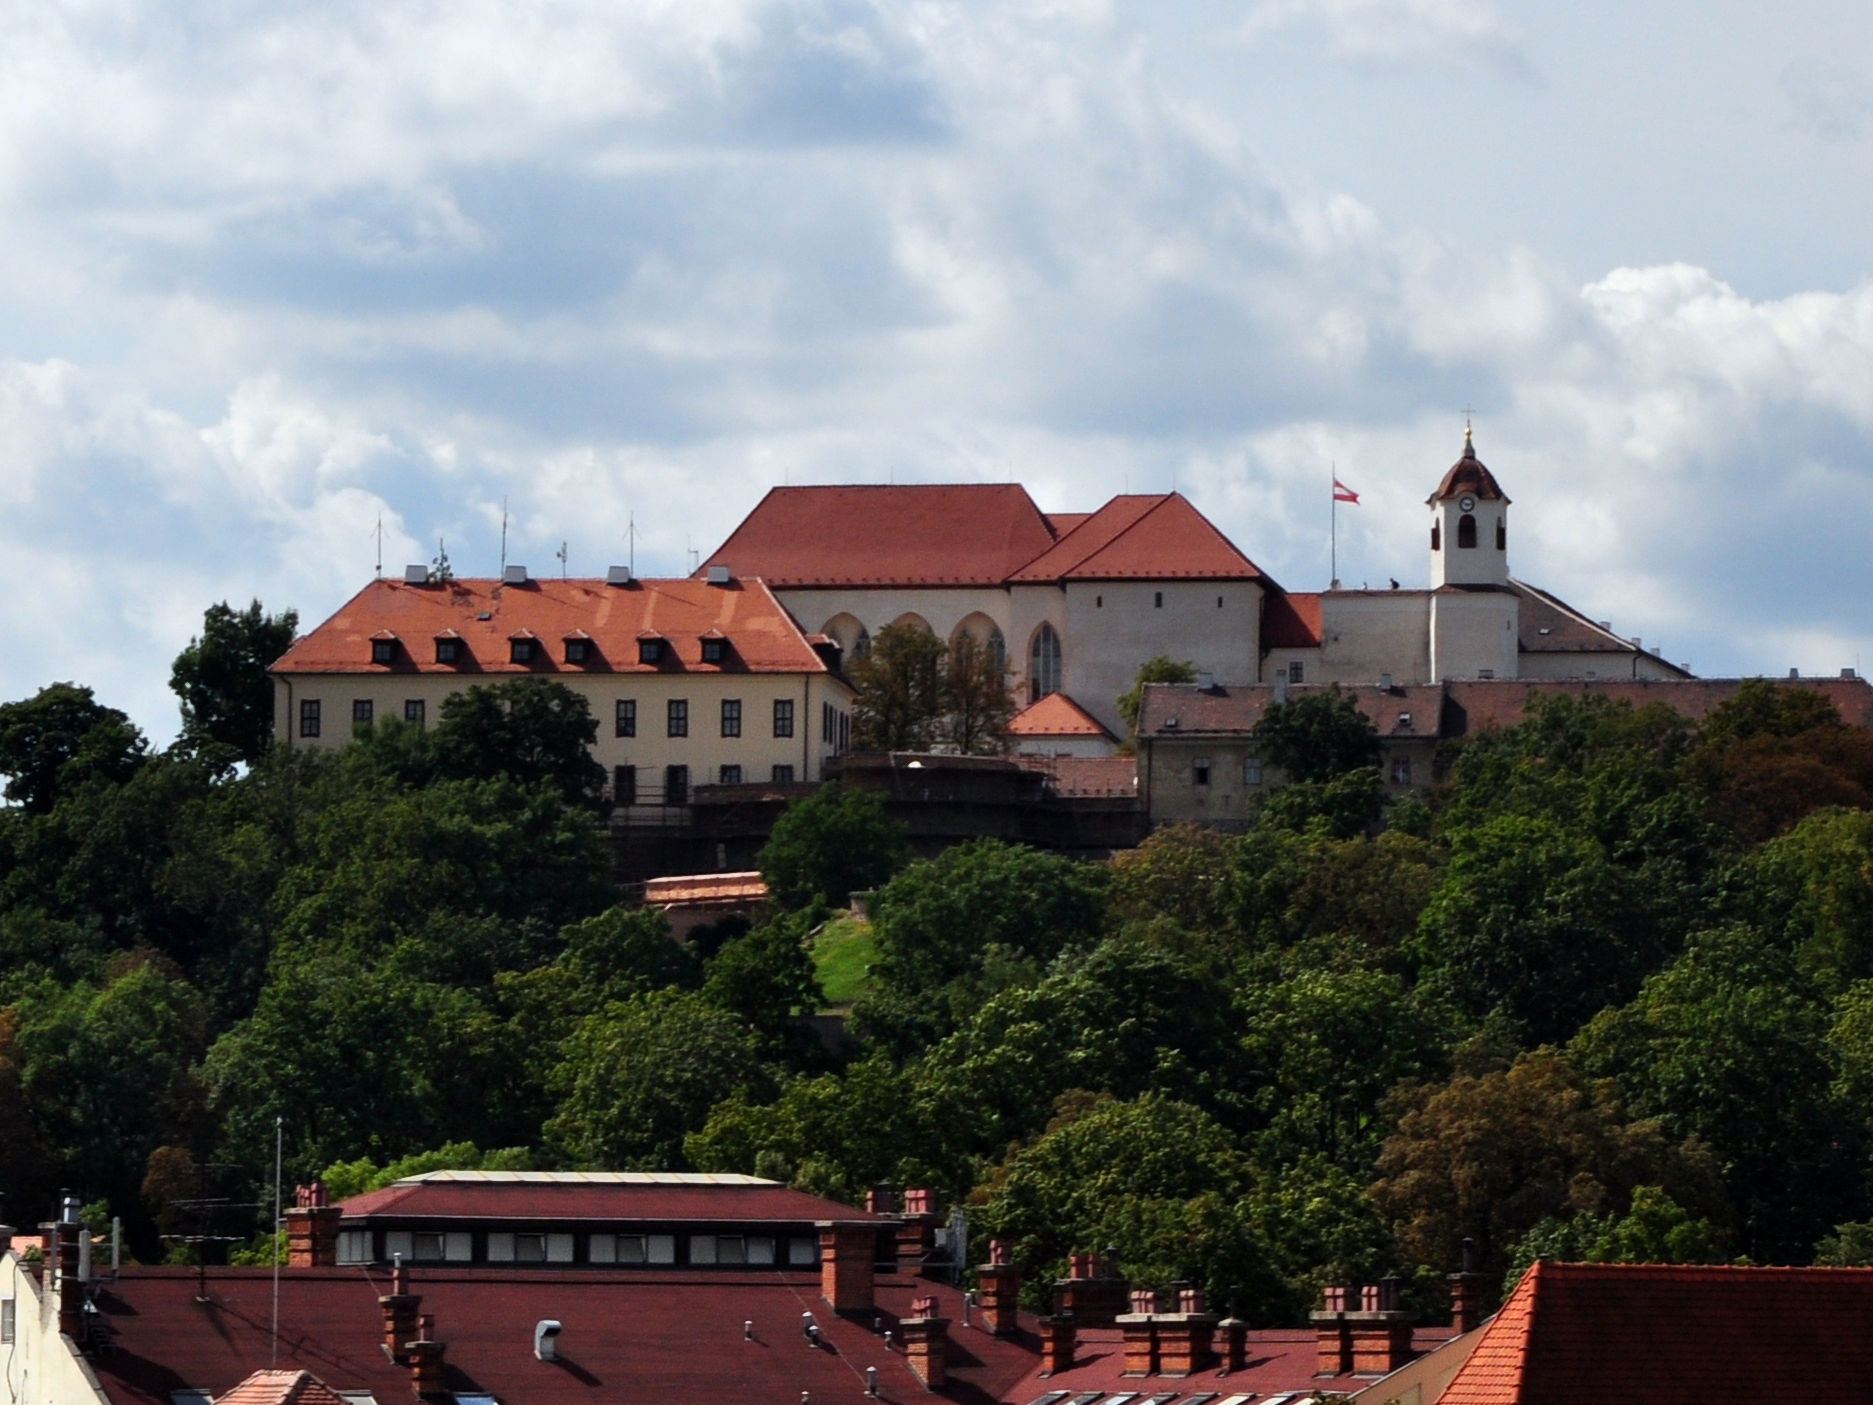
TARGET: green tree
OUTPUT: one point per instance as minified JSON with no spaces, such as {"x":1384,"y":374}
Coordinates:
{"x":1317,"y":736}
{"x":61,"y":737}
{"x":530,"y":730}
{"x":766,"y":978}
{"x":900,"y":703}
{"x":831,"y":844}
{"x":222,"y":682}
{"x":1159,"y":668}
{"x":977,"y":703}
{"x":1655,"y":1230}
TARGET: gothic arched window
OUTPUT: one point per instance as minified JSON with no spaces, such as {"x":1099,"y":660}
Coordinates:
{"x":1466,"y":531}
{"x":1502,"y":534}
{"x":1043,"y":663}
{"x":1437,"y":536}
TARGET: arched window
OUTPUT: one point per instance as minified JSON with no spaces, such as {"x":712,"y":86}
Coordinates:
{"x":1502,"y":534}
{"x":1437,"y":537}
{"x":1466,"y":531}
{"x":997,"y":648}
{"x":861,"y":645}
{"x":1043,"y":663}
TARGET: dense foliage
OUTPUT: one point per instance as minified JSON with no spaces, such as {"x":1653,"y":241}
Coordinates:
{"x":1609,"y":995}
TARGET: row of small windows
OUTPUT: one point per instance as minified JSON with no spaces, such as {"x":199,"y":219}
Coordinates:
{"x":676,"y":717}
{"x":1466,"y":534}
{"x":554,"y":1247}
{"x":528,"y":648}
{"x":1200,"y":768}
{"x":624,"y":790}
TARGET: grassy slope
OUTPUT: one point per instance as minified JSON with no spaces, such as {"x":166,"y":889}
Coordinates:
{"x":842,"y":953}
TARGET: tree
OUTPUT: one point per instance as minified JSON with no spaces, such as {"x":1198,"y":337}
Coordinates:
{"x":222,"y":681}
{"x":1317,"y":736}
{"x":54,"y":741}
{"x":977,"y":704}
{"x":766,"y":978}
{"x":828,"y":845}
{"x":531,"y":730}
{"x":900,"y":700}
{"x":1656,"y":1230}
{"x":1160,"y":668}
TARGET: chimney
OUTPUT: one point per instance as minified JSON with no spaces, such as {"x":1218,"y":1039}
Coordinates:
{"x":998,"y":1288}
{"x":1332,"y":1337}
{"x":846,"y":1252}
{"x":399,"y":1306}
{"x":1468,"y":1292}
{"x":1141,"y":1333}
{"x":917,"y":1228}
{"x":61,"y":1237}
{"x":1380,"y":1330}
{"x":881,"y":1200}
{"x":1185,"y":1336}
{"x":926,"y":1343}
{"x":1235,"y":1335}
{"x":1056,"y":1343}
{"x":1093,"y":1292}
{"x":312,"y":1228}
{"x":425,"y":1360}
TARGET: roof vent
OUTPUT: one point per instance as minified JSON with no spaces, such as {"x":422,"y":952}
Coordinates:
{"x":1404,"y":719}
{"x":416,"y":575}
{"x":1846,"y":673}
{"x":1607,"y":625}
{"x":720,"y":575}
{"x":1794,"y":673}
{"x":1169,"y":725}
{"x":617,"y":575}
{"x":1205,"y":682}
{"x":1385,"y":682}
{"x":545,"y":1339}
{"x":514,"y":575}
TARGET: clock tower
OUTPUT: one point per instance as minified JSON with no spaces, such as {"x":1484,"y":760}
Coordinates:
{"x":1469,"y":525}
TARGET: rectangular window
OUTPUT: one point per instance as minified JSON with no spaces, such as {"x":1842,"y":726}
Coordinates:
{"x":760,"y":1249}
{"x":1295,"y":671}
{"x":677,"y":717}
{"x":6,"y":1319}
{"x":426,"y":1247}
{"x":578,"y":650}
{"x":448,"y":650}
{"x":714,"y":650}
{"x":501,"y":1247}
{"x":308,"y":717}
{"x":649,"y":650}
{"x":361,"y":710}
{"x":559,"y":1248}
{"x":825,"y":723}
{"x":520,"y":651}
{"x":383,"y":651}
{"x":1252,"y":771}
{"x":783,"y":775}
{"x":1401,"y":771}
{"x":659,"y":1248}
{"x":354,"y":1246}
{"x":414,"y":711}
{"x":628,"y":1248}
{"x":845,"y":732}
{"x":731,"y":775}
{"x":396,"y":1241}
{"x":626,"y":723}
{"x":1158,"y":602}
{"x":676,"y":785}
{"x":783,"y":717}
{"x":802,"y":1250}
{"x":624,"y":785}
{"x":1200,"y":771}
{"x":702,"y":1248}
{"x":731,"y":717}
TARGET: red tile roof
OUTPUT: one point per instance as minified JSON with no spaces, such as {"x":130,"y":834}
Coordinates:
{"x":1291,"y":620}
{"x":628,"y":1335}
{"x":1055,"y":715}
{"x":1109,"y":776}
{"x":763,"y":637}
{"x":1173,"y":710}
{"x":915,"y":534}
{"x":282,"y":1388}
{"x":1155,"y":537}
{"x":522,"y":1197}
{"x":1666,"y":1334}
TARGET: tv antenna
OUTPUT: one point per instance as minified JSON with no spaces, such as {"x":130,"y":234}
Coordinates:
{"x":630,"y":542}
{"x":503,"y":535}
{"x":439,"y":568}
{"x":380,"y":546}
{"x":561,"y":555}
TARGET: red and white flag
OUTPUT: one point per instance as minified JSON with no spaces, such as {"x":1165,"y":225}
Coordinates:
{"x":1342,"y":493}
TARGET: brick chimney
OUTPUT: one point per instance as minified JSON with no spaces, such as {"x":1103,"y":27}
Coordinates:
{"x":1141,"y":1333}
{"x":1092,"y":1291}
{"x":425,"y":1360}
{"x":845,"y":1265}
{"x":312,"y":1228}
{"x":1380,"y":1330}
{"x":1186,"y":1335}
{"x":998,"y":1289}
{"x":1468,"y":1293}
{"x":1235,"y":1336}
{"x":399,"y":1307}
{"x":62,"y":1249}
{"x":926,"y":1343}
{"x":917,"y":1227}
{"x":881,"y":1200}
{"x":1333,"y":1337}
{"x":1056,"y":1343}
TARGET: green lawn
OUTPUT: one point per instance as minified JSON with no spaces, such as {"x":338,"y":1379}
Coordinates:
{"x":842,"y":954}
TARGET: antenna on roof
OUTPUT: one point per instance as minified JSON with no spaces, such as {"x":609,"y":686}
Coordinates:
{"x":503,"y":534}
{"x":440,"y":566}
{"x":279,"y":1143}
{"x":695,"y":556}
{"x":630,"y":542}
{"x":561,"y":554}
{"x":380,"y":546}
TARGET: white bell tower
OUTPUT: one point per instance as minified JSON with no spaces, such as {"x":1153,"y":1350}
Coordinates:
{"x":1469,"y":525}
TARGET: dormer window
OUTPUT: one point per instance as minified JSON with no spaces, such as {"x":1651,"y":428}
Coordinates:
{"x":650,"y":648}
{"x":383,"y":647}
{"x":522,"y":648}
{"x":579,"y":648}
{"x":449,"y":648}
{"x":714,"y":647}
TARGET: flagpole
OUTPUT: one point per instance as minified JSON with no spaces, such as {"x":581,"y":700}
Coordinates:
{"x":1333,"y":532}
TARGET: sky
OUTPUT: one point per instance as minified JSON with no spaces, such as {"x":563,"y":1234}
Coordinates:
{"x":288,"y":288}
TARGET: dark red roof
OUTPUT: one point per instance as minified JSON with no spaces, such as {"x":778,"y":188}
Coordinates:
{"x":768,"y":1203}
{"x":1671,"y":1334}
{"x":1172,"y":710}
{"x":1108,"y":776}
{"x":763,"y":637}
{"x":1291,"y":620}
{"x":665,"y":1336}
{"x":914,"y":534}
{"x":1138,"y":537}
{"x":1467,"y":475}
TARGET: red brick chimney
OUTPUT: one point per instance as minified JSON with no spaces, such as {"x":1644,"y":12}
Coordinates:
{"x":1235,"y":1334}
{"x":926,"y":1343}
{"x":1333,"y":1337}
{"x":917,"y":1227}
{"x":1141,"y":1333}
{"x":425,"y":1360}
{"x":881,"y":1200}
{"x":1186,"y":1335}
{"x":998,"y":1289}
{"x":312,"y":1228}
{"x":1056,"y":1343}
{"x":1092,"y":1291}
{"x":1381,"y":1330}
{"x":399,"y":1307}
{"x":1468,"y":1293}
{"x":845,"y":1265}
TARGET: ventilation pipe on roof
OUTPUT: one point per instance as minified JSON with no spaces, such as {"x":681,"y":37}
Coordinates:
{"x":514,"y":575}
{"x":617,"y":575}
{"x":416,"y":575}
{"x":546,"y":1340}
{"x":720,"y":575}
{"x":1205,"y":682}
{"x":1385,"y":682}
{"x":871,"y":1381}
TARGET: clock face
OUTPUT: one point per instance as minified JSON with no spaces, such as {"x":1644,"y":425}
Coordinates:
{"x":1466,"y":502}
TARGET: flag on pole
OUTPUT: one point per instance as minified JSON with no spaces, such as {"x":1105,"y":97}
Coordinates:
{"x":1342,"y":493}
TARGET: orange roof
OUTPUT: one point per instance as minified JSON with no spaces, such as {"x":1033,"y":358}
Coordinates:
{"x":1291,"y":620}
{"x":1669,"y":1333}
{"x":1064,"y":522}
{"x":282,"y":1388}
{"x":702,"y":889}
{"x":874,"y":534}
{"x":1467,"y":475}
{"x":1055,"y":715}
{"x":487,"y":616}
{"x":1142,"y":537}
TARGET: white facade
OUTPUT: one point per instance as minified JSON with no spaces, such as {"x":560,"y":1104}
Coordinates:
{"x":43,"y":1366}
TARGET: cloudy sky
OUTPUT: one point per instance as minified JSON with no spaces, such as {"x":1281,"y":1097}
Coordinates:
{"x":271,"y":273}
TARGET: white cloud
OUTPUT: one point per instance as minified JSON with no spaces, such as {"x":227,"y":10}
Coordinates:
{"x":1444,"y":32}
